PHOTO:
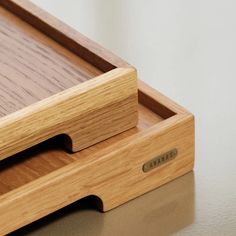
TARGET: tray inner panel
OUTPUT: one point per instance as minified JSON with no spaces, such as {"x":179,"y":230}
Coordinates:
{"x":33,"y":66}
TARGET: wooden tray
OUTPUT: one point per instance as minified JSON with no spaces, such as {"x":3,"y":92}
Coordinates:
{"x":45,"y":178}
{"x":53,"y":81}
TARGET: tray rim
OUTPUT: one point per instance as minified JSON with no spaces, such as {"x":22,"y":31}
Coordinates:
{"x":113,"y":67}
{"x":35,"y":16}
{"x":63,"y":103}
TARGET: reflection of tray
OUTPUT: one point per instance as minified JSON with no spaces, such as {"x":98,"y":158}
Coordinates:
{"x":48,"y":85}
{"x":45,"y":178}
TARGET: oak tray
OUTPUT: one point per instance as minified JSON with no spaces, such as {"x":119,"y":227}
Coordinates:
{"x":45,"y":178}
{"x":53,"y":81}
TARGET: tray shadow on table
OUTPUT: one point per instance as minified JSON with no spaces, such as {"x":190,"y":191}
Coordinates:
{"x":165,"y":210}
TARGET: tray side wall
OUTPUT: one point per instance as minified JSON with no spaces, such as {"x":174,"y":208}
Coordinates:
{"x":122,"y":169}
{"x":120,"y":166}
{"x":134,"y":182}
{"x":87,"y":113}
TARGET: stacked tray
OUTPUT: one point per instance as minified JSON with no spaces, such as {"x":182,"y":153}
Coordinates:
{"x":60,"y":89}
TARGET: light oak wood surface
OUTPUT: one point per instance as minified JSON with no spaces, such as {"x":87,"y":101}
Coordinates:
{"x":53,"y":81}
{"x":45,"y":178}
{"x":87,"y":114}
{"x":33,"y":66}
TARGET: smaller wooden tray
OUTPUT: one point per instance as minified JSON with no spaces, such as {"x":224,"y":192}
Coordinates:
{"x":53,"y":81}
{"x":45,"y":178}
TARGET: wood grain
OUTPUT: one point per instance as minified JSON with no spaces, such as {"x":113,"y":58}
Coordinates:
{"x":33,"y":66}
{"x":49,"y":156}
{"x":48,"y":178}
{"x":88,"y":113}
{"x":65,"y":35}
{"x":47,"y":89}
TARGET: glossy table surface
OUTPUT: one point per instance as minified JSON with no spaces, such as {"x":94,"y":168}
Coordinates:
{"x":186,"y":50}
